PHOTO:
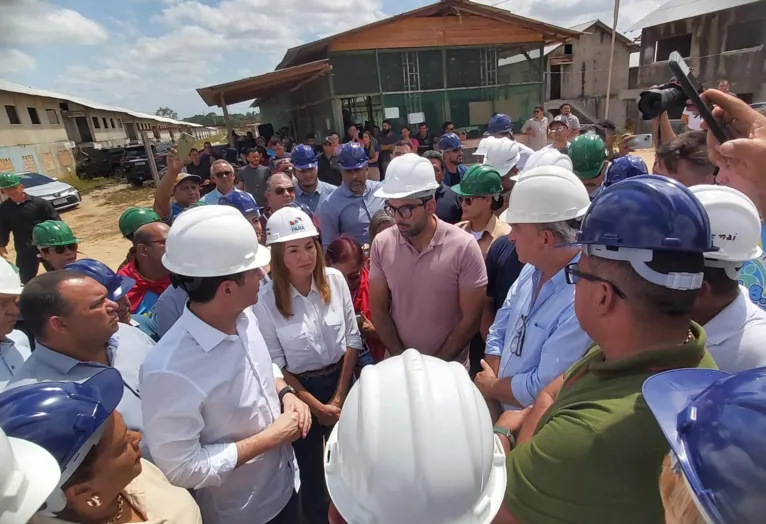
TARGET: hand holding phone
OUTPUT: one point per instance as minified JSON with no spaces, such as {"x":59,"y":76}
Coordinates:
{"x":184,"y":146}
{"x":641,"y":141}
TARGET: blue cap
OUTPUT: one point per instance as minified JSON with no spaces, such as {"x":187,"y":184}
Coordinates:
{"x":303,"y":157}
{"x":352,"y":156}
{"x":715,"y":424}
{"x":242,"y":201}
{"x":450,"y":142}
{"x":647,"y":212}
{"x":500,"y":123}
{"x":64,"y":418}
{"x":117,"y":286}
{"x":623,"y":168}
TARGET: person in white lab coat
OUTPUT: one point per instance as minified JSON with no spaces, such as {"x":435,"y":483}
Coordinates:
{"x":307,"y":318}
{"x":210,"y":393}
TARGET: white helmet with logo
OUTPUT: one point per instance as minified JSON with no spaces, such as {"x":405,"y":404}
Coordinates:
{"x":544,"y":195}
{"x":408,"y":175}
{"x":546,"y":157}
{"x":414,"y":444}
{"x":213,"y":241}
{"x":10,"y":283}
{"x":735,"y":224}
{"x":503,"y":154}
{"x":289,"y":223}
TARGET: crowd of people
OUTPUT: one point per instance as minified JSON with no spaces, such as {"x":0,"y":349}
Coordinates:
{"x":381,"y":331}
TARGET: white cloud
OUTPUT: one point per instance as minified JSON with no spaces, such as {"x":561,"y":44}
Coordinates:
{"x":37,"y":22}
{"x":14,"y":61}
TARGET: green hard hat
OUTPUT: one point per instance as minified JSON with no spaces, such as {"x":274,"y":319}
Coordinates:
{"x":479,"y":180}
{"x":53,"y":233}
{"x":588,"y":155}
{"x":8,"y":180}
{"x":135,"y":217}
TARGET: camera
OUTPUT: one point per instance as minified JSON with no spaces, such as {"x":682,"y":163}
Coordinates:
{"x":659,"y":99}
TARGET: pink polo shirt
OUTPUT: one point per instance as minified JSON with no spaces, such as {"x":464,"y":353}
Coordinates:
{"x":425,"y":286}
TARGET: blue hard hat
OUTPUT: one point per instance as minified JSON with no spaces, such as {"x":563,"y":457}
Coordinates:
{"x":64,"y":418}
{"x":117,"y":286}
{"x":645,"y":214}
{"x":500,"y":123}
{"x":352,"y":156}
{"x":715,"y":423}
{"x":303,"y":157}
{"x":450,"y":142}
{"x":242,"y":201}
{"x":623,"y":168}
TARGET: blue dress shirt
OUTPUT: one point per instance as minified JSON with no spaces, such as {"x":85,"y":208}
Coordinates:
{"x":536,"y":338}
{"x":346,"y":213}
{"x":315,"y":199}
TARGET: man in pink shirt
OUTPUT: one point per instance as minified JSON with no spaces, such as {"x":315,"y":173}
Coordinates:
{"x":427,"y":277}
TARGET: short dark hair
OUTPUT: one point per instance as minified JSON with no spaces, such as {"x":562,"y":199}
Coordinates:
{"x":720,"y":283}
{"x":597,"y":129}
{"x":250,"y":151}
{"x":407,"y":143}
{"x":193,"y":150}
{"x":309,"y":136}
{"x":274,"y":141}
{"x":41,"y":299}
{"x":203,"y":289}
{"x":422,"y":124}
{"x":386,"y":121}
{"x":352,"y":124}
{"x":565,"y":104}
{"x":207,"y":144}
{"x":690,"y":146}
{"x":446,"y":124}
{"x":541,"y":108}
{"x":607,"y":124}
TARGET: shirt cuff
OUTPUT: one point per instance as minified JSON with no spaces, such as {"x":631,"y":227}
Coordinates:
{"x":520,"y":391}
{"x":492,"y":350}
{"x":277,"y":371}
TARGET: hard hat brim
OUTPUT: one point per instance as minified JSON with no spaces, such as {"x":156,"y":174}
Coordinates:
{"x":381,"y":192}
{"x":126,"y":284}
{"x":292,"y":236}
{"x":43,"y":473}
{"x":261,"y":259}
{"x":360,"y":165}
{"x":304,"y":167}
{"x":509,"y":217}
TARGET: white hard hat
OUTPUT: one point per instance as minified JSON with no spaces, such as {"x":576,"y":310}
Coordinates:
{"x":503,"y":154}
{"x":544,"y":195}
{"x":414,"y":445}
{"x":10,"y":283}
{"x":546,"y":157}
{"x":289,"y":223}
{"x":483,"y":146}
{"x":408,"y":175}
{"x":734,"y":222}
{"x":28,"y":475}
{"x":213,"y":241}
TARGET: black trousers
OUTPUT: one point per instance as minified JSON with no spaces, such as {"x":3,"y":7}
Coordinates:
{"x":28,"y":264}
{"x":309,"y":453}
{"x":290,"y":514}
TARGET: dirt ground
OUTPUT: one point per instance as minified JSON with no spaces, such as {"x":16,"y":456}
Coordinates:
{"x":94,"y":222}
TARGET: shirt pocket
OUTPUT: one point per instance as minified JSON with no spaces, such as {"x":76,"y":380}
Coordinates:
{"x":293,"y":337}
{"x":334,"y":327}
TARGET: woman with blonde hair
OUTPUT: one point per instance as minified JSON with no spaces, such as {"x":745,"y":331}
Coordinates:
{"x":306,"y":316}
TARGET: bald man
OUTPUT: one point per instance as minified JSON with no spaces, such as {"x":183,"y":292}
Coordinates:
{"x":146,"y":267}
{"x":280,"y":192}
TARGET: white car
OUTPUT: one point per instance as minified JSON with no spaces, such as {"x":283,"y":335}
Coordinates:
{"x":60,"y":194}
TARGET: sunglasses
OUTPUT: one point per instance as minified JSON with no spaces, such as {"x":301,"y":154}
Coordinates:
{"x":282,"y":190}
{"x":573,"y":275}
{"x":467,"y":200}
{"x":224,"y":173}
{"x":60,"y":250}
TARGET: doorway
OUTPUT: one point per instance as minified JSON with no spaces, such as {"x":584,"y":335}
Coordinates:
{"x":84,"y":129}
{"x":555,"y":82}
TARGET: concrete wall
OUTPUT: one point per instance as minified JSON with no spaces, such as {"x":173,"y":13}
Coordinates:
{"x":52,"y":159}
{"x":27,"y":133}
{"x":744,"y":68}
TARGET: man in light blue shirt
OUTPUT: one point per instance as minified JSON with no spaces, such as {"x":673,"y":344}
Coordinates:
{"x":536,"y":336}
{"x":222,"y":174}
{"x":309,"y":191}
{"x":349,"y":209}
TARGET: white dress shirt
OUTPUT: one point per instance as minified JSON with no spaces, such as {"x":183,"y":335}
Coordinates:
{"x":317,"y":334}
{"x":202,"y":391}
{"x":736,"y":337}
{"x":14,"y":351}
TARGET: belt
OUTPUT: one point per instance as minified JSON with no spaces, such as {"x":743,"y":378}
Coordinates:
{"x":324,"y":371}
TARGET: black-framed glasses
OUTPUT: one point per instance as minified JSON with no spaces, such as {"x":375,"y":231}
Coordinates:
{"x":520,"y":332}
{"x":406,"y":210}
{"x":60,"y":250}
{"x":282,"y":190}
{"x":468,"y":200}
{"x":573,"y":274}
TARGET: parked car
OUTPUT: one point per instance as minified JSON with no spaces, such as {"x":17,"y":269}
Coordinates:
{"x":60,"y":194}
{"x":135,"y":164}
{"x":100,"y":163}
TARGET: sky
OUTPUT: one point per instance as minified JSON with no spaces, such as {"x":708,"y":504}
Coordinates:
{"x":145,"y":54}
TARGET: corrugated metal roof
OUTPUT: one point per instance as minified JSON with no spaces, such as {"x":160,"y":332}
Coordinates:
{"x":680,"y":9}
{"x":24,"y":90}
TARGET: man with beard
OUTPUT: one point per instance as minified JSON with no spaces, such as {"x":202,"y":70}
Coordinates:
{"x":387,"y":141}
{"x":424,"y":272}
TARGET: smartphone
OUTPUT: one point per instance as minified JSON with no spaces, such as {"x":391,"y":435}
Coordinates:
{"x":641,"y":142}
{"x":184,"y":146}
{"x":692,"y":89}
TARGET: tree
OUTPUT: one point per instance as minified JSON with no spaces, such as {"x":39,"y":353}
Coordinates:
{"x":166,"y":112}
{"x":213,"y":119}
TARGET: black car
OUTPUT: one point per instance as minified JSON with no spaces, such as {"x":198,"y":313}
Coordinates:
{"x":135,"y":164}
{"x":100,"y":162}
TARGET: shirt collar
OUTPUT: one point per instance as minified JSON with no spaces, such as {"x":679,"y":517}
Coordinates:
{"x":295,"y":293}
{"x":347,"y":192}
{"x":64,"y":363}
{"x":318,"y":191}
{"x":730,"y":320}
{"x":559,"y":280}
{"x":204,"y":334}
{"x":436,"y":240}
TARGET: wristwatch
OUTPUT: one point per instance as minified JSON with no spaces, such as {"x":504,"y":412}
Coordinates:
{"x":285,"y":390}
{"x":507,"y":433}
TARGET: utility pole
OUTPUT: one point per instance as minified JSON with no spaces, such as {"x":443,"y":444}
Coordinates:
{"x":150,"y":157}
{"x":611,"y":58}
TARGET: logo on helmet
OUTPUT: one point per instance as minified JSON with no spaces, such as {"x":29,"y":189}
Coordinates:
{"x":296,"y":225}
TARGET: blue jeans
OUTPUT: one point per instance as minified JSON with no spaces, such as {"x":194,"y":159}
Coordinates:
{"x":308,"y":452}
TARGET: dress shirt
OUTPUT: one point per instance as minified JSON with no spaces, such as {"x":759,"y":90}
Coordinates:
{"x":154,"y":497}
{"x":169,"y":308}
{"x":736,"y":335}
{"x":126,"y":351}
{"x":494,"y":230}
{"x":203,"y":391}
{"x":315,"y":199}
{"x":14,"y":351}
{"x":212,"y":197}
{"x":317,"y":334}
{"x":346,"y":213}
{"x":448,"y":206}
{"x":552,"y":338}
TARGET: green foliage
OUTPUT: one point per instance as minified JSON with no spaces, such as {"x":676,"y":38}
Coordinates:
{"x":213,"y":119}
{"x":166,"y":112}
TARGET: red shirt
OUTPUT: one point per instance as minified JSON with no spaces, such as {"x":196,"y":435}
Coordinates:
{"x":362,"y":307}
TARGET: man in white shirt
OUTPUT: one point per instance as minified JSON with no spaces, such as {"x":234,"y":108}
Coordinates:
{"x":691,"y":117}
{"x":14,"y":345}
{"x":210,"y":392}
{"x":536,"y":128}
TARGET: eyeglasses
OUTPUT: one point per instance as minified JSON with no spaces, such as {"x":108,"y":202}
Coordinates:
{"x":520,"y":331}
{"x":282,"y":190}
{"x":406,"y":210}
{"x":224,"y":173}
{"x":573,"y":275}
{"x":468,"y":200}
{"x":60,"y":250}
